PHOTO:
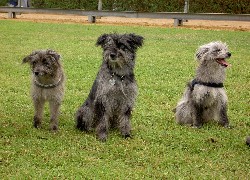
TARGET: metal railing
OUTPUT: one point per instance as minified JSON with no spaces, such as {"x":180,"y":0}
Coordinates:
{"x":178,"y":17}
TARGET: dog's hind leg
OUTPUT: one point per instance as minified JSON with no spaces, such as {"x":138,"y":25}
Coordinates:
{"x":39,"y":106}
{"x":54,"y":112}
{"x":84,"y":118}
{"x":223,"y":116}
{"x":124,"y":123}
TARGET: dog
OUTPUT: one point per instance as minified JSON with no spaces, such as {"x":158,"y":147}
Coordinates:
{"x":47,"y":84}
{"x":112,"y":96}
{"x":248,"y":141}
{"x":205,"y":98}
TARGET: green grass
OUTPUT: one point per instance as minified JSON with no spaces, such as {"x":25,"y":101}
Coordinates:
{"x":160,"y":149}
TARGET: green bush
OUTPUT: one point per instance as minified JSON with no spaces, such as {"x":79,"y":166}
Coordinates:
{"x":220,"y":6}
{"x":3,"y":2}
{"x":195,"y":6}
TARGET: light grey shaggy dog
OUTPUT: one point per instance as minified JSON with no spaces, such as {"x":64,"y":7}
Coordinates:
{"x":112,"y":97}
{"x":205,"y":98}
{"x":47,"y":84}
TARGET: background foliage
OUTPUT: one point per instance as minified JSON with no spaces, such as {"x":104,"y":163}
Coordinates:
{"x":196,"y":6}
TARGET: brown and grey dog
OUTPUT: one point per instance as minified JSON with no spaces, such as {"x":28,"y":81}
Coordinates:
{"x":47,"y":84}
{"x":112,"y":97}
{"x":205,"y":98}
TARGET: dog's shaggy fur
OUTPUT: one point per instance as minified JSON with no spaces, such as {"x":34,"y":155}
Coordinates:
{"x":205,"y":98}
{"x":47,"y":84}
{"x":112,"y":97}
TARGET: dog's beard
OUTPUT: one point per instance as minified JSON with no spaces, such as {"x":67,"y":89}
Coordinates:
{"x":117,"y":62}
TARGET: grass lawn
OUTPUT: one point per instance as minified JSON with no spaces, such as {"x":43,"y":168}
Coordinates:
{"x":160,"y":149}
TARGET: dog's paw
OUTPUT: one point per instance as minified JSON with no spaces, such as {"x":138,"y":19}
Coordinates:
{"x":53,"y":128}
{"x":37,"y":125}
{"x":228,"y":126}
{"x":37,"y":122}
{"x":248,"y":141}
{"x":102,"y":137}
{"x":126,"y":136}
{"x":196,"y":126}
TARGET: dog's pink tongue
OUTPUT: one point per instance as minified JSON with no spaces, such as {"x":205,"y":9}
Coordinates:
{"x":223,"y":62}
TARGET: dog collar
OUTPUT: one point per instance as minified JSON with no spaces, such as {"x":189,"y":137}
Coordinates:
{"x":121,"y":77}
{"x":48,"y":86}
{"x":112,"y":80}
{"x":215,"y":85}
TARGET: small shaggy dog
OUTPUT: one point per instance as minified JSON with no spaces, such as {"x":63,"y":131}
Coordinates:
{"x":248,"y":141}
{"x":47,"y":84}
{"x":205,"y":98}
{"x":112,"y":97}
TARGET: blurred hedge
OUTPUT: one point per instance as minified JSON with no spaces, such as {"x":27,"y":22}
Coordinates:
{"x":195,"y":6}
{"x":3,"y":2}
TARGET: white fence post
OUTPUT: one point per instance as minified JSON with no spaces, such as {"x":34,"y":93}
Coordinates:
{"x":186,"y":9}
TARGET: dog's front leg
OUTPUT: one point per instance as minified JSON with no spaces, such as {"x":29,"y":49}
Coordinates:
{"x":102,"y":128}
{"x":124,"y":123}
{"x":197,"y":122}
{"x":102,"y":119}
{"x":39,"y":106}
{"x":223,"y":116}
{"x":54,"y":112}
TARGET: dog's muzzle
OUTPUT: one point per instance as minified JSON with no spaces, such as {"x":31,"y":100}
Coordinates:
{"x":112,"y":56}
{"x":222,"y":61}
{"x":39,"y":73}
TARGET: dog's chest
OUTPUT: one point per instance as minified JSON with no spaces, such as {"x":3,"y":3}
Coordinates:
{"x":209,"y":96}
{"x":53,"y":94}
{"x":116,"y":91}
{"x":117,"y":88}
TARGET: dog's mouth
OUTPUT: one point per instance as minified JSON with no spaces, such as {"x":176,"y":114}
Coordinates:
{"x":222,"y":62}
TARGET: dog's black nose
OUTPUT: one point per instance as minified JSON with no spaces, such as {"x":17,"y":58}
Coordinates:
{"x":113,"y":55}
{"x":229,"y":54}
{"x":36,"y":73}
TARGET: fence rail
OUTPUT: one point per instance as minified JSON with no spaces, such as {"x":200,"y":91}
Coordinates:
{"x":178,"y":17}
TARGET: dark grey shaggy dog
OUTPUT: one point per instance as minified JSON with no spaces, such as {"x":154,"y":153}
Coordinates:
{"x":205,"y":98}
{"x":112,"y":97}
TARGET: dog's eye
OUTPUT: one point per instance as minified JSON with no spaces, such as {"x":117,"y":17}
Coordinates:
{"x":217,"y":50}
{"x":123,"y":47}
{"x":45,"y":62}
{"x":34,"y":63}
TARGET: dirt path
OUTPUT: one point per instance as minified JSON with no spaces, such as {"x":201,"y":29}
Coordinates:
{"x":194,"y":24}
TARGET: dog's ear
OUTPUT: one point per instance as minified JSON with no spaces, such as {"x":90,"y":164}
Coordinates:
{"x":101,"y":40}
{"x":26,"y":59}
{"x":135,"y":40}
{"x":201,"y":51}
{"x":54,"y":54}
{"x":29,"y":57}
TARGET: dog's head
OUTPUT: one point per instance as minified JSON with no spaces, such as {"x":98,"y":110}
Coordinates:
{"x":213,"y":52}
{"x":119,"y":50}
{"x":43,"y":62}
